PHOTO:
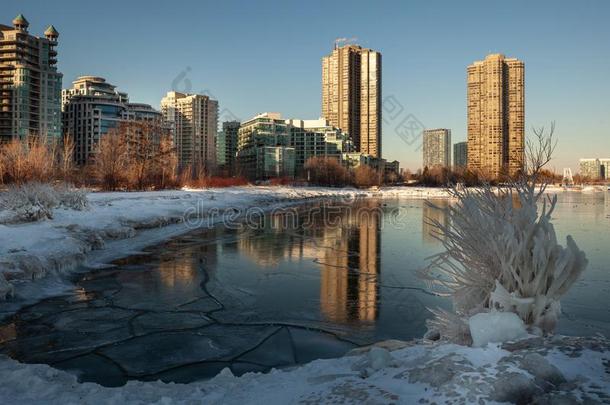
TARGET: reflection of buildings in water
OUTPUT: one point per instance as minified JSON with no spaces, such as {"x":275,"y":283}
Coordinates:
{"x":433,"y":214}
{"x":350,"y":269}
{"x":280,"y":236}
{"x":267,"y":240}
{"x":345,"y":241}
{"x":182,"y":267}
{"x":267,"y":247}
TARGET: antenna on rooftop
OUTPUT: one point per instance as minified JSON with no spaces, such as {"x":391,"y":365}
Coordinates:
{"x":344,"y":41}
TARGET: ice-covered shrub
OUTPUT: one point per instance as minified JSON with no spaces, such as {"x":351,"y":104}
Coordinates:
{"x":72,"y":197}
{"x":35,"y":201}
{"x":501,"y":253}
{"x":30,"y":202}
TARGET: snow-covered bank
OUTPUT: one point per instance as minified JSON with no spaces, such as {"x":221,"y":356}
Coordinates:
{"x":116,"y":224}
{"x":557,"y":370}
{"x":576,"y":189}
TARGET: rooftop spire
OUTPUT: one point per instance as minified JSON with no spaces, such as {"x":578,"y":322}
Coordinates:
{"x":51,"y":32}
{"x":20,"y":22}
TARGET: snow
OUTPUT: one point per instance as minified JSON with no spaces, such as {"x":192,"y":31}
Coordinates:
{"x":495,"y":327}
{"x":120,"y":223}
{"x":414,"y":373}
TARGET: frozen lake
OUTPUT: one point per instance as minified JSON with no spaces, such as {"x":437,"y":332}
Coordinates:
{"x":288,"y":288}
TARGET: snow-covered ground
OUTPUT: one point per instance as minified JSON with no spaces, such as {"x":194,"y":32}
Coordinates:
{"x":558,"y":370}
{"x":120,"y":223}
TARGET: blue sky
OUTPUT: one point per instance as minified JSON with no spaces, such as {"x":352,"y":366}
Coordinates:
{"x":265,"y":56}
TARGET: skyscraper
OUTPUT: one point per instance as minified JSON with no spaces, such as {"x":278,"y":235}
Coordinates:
{"x":437,"y":148}
{"x":351,"y":95}
{"x":30,"y":85}
{"x":226,"y":147}
{"x":460,"y":155}
{"x":496,"y":115}
{"x":194,"y":122}
{"x":92,"y":107}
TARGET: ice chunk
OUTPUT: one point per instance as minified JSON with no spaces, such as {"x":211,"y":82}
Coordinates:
{"x":380,"y":358}
{"x":376,"y":359}
{"x":6,"y":289}
{"x":496,"y":327}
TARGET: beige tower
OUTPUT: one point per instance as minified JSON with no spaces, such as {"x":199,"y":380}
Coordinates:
{"x":496,"y":115}
{"x":30,"y":85}
{"x":194,"y":121}
{"x":351,"y":95}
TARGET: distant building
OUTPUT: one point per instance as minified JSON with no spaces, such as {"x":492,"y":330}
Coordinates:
{"x":354,"y":159}
{"x":567,"y":179}
{"x":351,"y":95}
{"x":226,"y":147}
{"x":437,"y":148}
{"x":496,"y":115}
{"x":460,"y":155}
{"x":30,"y":85}
{"x":92,"y":107}
{"x":595,"y":169}
{"x":391,"y":169}
{"x":263,"y":149}
{"x":316,"y":138}
{"x":194,"y":122}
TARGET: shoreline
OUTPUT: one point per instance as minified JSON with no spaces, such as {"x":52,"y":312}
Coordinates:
{"x":558,"y":369}
{"x":118,"y":224}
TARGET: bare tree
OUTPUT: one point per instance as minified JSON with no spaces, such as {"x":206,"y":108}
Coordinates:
{"x":66,"y":157}
{"x":112,"y":159}
{"x":141,"y":151}
{"x":26,"y":160}
{"x":539,"y":151}
{"x":326,"y":171}
{"x":366,"y":176}
{"x":13,"y":156}
{"x":166,"y":162}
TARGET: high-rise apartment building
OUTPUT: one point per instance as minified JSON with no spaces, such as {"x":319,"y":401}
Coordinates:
{"x":595,"y":169}
{"x":314,"y":138}
{"x":437,"y":148}
{"x":263,"y":149}
{"x":92,"y":107}
{"x":30,"y":85}
{"x":226,"y":147}
{"x":351,"y":95}
{"x":460,"y":155}
{"x":194,"y":122}
{"x":496,"y":115}
{"x":269,"y":146}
